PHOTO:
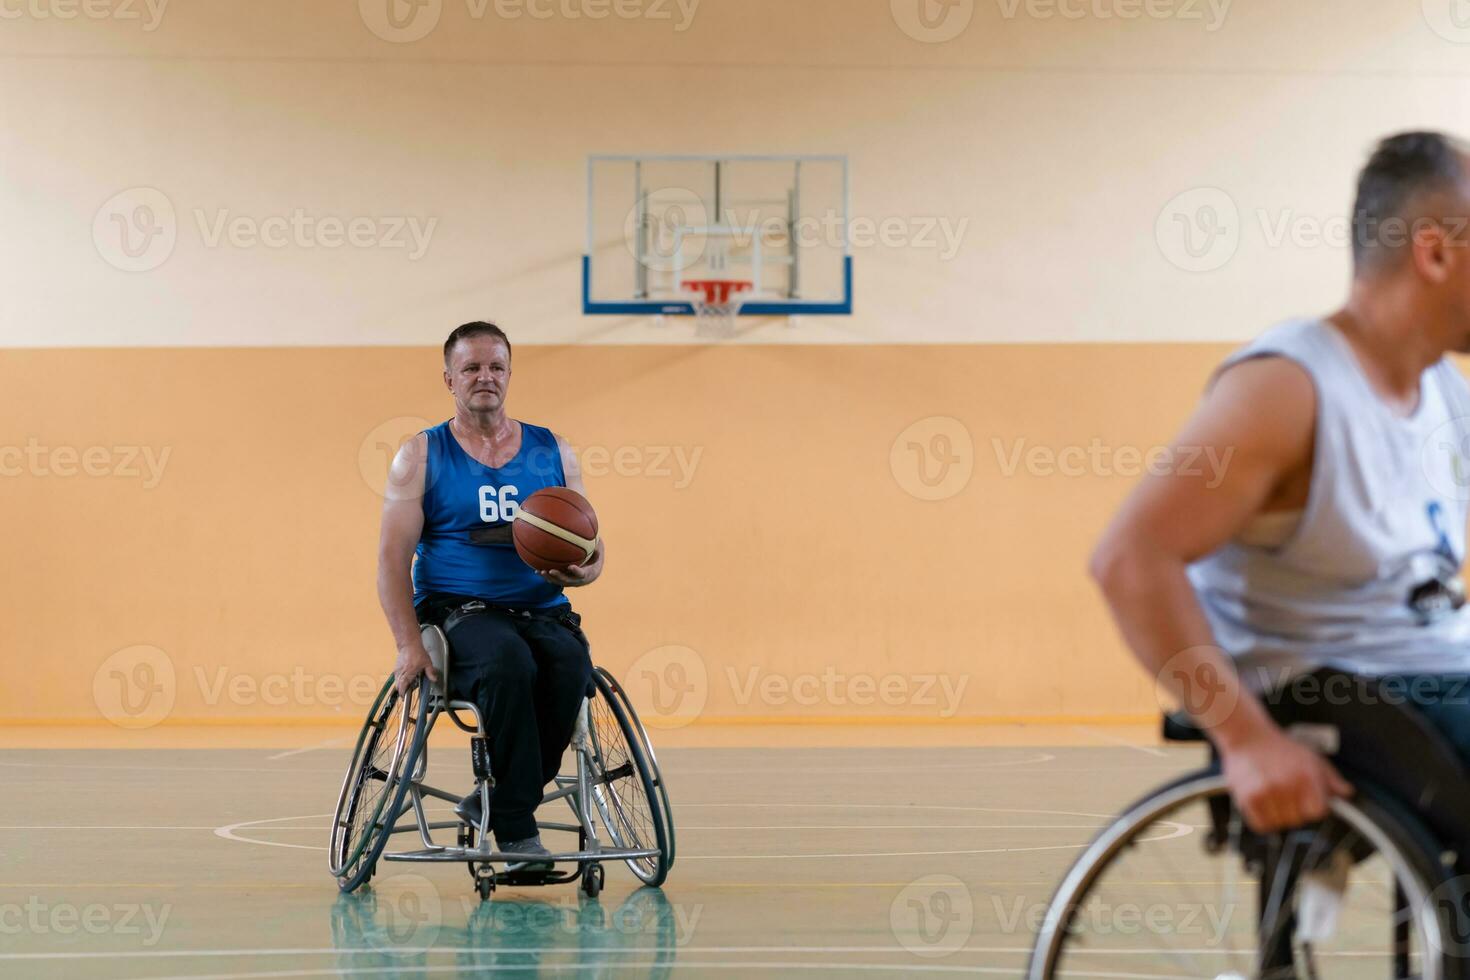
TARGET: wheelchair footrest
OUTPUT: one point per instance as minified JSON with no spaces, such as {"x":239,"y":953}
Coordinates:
{"x":462,"y":855}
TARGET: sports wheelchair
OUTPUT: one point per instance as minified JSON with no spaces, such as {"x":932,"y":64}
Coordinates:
{"x":617,"y":785}
{"x":1179,"y":886}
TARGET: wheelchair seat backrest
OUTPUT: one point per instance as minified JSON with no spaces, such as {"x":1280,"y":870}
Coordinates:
{"x":1379,"y":738}
{"x":437,"y":646}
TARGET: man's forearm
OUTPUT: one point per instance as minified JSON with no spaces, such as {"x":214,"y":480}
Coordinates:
{"x":1160,"y":617}
{"x":395,"y":595}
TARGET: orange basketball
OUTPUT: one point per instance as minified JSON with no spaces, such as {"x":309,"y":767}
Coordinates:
{"x":554,"y":528}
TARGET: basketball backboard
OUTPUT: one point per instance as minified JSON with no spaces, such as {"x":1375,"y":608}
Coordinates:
{"x":658,"y":226}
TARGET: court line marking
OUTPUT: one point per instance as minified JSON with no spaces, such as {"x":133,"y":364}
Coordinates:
{"x":49,"y":827}
{"x":894,"y":950}
{"x":343,"y":740}
{"x":229,"y":832}
{"x":1113,"y":739}
{"x":79,"y":765}
{"x":1041,"y":757}
{"x":325,"y":827}
{"x":670,"y":964}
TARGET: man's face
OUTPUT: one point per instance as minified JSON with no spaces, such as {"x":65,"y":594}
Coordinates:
{"x":479,"y":373}
{"x":1454,"y":239}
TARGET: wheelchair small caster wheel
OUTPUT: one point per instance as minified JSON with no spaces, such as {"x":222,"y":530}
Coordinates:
{"x":592,"y":880}
{"x":486,"y":887}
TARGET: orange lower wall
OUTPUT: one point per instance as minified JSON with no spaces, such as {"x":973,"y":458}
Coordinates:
{"x":794,"y":577}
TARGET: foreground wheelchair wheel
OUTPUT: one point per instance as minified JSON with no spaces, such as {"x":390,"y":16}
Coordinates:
{"x":627,"y":787}
{"x":1177,"y":886}
{"x":377,"y":781}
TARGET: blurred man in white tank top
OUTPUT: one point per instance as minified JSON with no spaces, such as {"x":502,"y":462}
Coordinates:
{"x":1336,"y":535}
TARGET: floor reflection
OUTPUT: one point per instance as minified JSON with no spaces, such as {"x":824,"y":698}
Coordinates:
{"x":405,"y":924}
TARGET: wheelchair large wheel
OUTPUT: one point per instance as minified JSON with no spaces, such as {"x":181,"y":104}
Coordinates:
{"x":376,"y":784}
{"x":1177,"y":886}
{"x":655,"y":774}
{"x":627,"y":788}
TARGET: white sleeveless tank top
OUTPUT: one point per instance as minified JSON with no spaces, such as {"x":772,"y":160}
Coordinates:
{"x":1367,"y":579}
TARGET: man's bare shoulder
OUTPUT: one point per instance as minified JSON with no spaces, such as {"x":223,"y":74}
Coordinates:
{"x":1269,"y":402}
{"x":406,"y":474}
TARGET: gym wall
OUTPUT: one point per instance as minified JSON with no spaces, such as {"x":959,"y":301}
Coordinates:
{"x":854,"y":519}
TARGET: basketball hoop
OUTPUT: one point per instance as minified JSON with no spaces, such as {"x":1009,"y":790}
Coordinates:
{"x":717,"y":305}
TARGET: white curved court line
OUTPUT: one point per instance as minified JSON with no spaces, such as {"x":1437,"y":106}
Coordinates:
{"x":230,"y":832}
{"x":320,"y":828}
{"x":457,"y":950}
{"x":672,"y":965}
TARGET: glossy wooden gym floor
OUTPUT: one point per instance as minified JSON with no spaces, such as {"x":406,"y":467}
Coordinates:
{"x":859,"y":854}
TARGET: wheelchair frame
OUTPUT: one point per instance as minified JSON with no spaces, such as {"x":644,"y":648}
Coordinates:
{"x":582,"y":792}
{"x":1412,"y":806}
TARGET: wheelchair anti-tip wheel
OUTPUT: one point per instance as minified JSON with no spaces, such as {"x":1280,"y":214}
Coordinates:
{"x":372,"y":797}
{"x":1178,"y":886}
{"x":627,"y":787}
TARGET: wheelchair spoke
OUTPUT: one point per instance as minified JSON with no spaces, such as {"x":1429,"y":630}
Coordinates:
{"x":387,"y":751}
{"x":623,"y":792}
{"x":1310,"y":903}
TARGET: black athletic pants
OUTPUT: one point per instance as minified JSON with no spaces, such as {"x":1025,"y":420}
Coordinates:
{"x":527,"y":671}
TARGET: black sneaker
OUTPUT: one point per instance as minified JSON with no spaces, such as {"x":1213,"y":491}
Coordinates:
{"x":531,"y":847}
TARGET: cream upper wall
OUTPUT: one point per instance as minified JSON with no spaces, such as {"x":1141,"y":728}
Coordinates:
{"x":1057,"y":142}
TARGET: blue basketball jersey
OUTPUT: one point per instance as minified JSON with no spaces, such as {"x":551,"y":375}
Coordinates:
{"x":466,"y":548}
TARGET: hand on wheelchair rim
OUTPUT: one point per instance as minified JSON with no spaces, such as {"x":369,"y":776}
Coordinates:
{"x":413,"y":662}
{"x":1278,"y":783}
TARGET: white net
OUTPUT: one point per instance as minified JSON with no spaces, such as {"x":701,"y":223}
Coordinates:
{"x":716,"y":305}
{"x":716,"y":321}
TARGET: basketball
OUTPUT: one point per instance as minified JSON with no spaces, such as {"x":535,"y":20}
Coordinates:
{"x":555,"y":528}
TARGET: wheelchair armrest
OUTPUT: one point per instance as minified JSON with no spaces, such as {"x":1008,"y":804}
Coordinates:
{"x":437,"y":646}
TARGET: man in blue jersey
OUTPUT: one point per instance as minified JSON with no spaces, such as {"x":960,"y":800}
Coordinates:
{"x":519,"y":651}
